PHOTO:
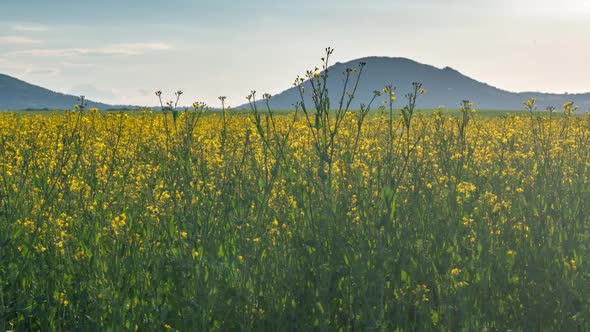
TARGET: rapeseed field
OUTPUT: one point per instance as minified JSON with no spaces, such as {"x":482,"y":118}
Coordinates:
{"x":209,"y":220}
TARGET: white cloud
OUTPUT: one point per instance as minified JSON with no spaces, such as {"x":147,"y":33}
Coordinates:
{"x":30,"y":28}
{"x":27,"y":69}
{"x":145,"y":92}
{"x":9,"y":65}
{"x":18,"y":40}
{"x":547,"y":9}
{"x":93,"y":92}
{"x":144,"y":46}
{"x":69,"y":64}
{"x":66,"y":52}
{"x":42,"y":71}
{"x":113,"y":50}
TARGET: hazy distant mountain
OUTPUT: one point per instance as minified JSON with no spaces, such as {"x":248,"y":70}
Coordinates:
{"x":444,"y":87}
{"x":18,"y":95}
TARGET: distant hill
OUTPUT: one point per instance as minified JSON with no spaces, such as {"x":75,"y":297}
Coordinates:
{"x":19,"y":95}
{"x":444,"y":87}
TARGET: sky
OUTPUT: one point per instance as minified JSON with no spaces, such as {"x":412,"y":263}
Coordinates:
{"x":121,"y":51}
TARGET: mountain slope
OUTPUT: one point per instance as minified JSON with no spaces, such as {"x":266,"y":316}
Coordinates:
{"x":17,"y":95}
{"x":444,"y":87}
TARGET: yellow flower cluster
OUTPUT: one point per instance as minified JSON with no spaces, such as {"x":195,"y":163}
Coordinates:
{"x":226,"y":200}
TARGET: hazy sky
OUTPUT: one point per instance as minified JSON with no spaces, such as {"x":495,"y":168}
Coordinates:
{"x":121,"y":51}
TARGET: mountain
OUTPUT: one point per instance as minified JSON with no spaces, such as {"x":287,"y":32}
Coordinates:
{"x":444,"y":87}
{"x":18,"y":95}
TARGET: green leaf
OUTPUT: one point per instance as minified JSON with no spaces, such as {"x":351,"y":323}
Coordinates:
{"x":320,"y":307}
{"x":434,"y":317}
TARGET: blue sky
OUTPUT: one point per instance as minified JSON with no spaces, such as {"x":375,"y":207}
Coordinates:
{"x":121,"y":51}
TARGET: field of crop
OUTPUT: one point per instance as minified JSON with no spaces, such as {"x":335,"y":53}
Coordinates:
{"x":203,"y":220}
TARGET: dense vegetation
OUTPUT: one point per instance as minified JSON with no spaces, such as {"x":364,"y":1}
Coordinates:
{"x":250,"y":222}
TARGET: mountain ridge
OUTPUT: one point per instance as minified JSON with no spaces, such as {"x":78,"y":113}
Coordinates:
{"x":446,"y":86}
{"x":16,"y":94}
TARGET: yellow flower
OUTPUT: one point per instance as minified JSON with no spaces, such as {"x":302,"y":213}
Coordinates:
{"x":570,"y":264}
{"x":461,"y":284}
{"x":61,"y":298}
{"x":466,"y":187}
{"x":40,"y":248}
{"x":455,"y":272}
